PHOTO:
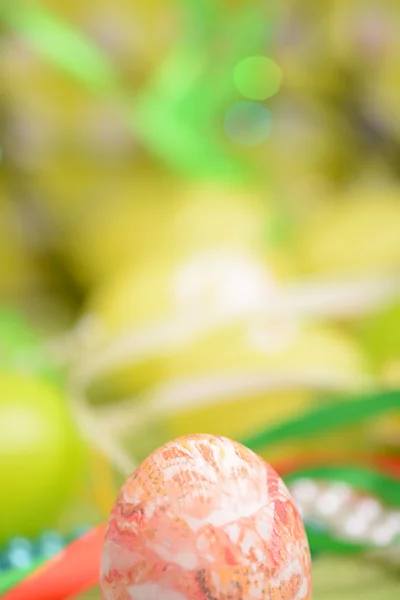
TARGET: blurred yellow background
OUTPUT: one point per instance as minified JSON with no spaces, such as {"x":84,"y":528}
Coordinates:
{"x":193,"y":257}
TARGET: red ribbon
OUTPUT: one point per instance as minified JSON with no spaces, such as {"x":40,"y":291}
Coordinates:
{"x":73,"y":571}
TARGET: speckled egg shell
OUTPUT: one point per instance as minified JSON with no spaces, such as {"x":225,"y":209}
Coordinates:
{"x":204,"y":518}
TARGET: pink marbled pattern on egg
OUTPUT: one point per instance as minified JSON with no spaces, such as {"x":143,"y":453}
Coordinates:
{"x":204,"y":518}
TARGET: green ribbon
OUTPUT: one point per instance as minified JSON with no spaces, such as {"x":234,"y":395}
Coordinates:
{"x":178,"y":115}
{"x":13,"y":577}
{"x":321,"y":541}
{"x":333,"y":416}
{"x":61,"y":45}
{"x":329,"y":416}
{"x":183,"y":107}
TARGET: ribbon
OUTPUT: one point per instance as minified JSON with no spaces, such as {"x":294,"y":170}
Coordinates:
{"x":177,"y":116}
{"x":60,"y":44}
{"x":69,"y":573}
{"x":333,"y":416}
{"x":328,"y":417}
{"x":13,"y":577}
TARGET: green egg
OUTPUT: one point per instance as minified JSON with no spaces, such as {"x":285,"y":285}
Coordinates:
{"x":41,"y":455}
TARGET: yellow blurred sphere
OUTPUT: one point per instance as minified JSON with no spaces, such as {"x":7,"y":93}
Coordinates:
{"x":208,"y":337}
{"x":273,"y":347}
{"x":356,"y":235}
{"x":128,"y":218}
{"x":19,"y":272}
{"x":218,"y":281}
{"x":166,"y":306}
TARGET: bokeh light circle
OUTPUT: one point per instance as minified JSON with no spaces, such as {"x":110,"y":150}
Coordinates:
{"x":248,"y":123}
{"x":257,"y":77}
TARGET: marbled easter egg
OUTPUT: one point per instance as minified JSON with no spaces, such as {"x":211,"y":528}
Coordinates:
{"x":204,"y":518}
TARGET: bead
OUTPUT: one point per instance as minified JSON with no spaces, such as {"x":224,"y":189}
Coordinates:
{"x":50,"y":543}
{"x":20,"y":553}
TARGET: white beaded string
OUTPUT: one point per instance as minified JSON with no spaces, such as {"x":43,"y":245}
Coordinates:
{"x":349,"y":516}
